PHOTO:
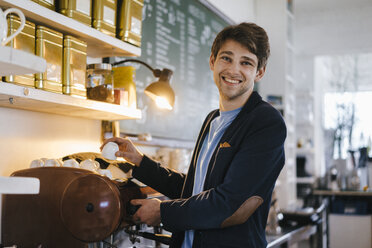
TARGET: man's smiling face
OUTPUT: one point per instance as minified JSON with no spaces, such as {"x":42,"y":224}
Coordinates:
{"x":235,"y":71}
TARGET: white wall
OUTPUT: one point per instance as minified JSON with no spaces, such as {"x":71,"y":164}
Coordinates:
{"x":27,"y":135}
{"x":271,"y":15}
{"x":236,"y":10}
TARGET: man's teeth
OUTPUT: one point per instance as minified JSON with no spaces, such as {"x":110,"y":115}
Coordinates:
{"x":232,"y":81}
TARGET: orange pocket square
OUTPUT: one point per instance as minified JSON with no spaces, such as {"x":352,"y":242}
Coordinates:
{"x":225,"y":144}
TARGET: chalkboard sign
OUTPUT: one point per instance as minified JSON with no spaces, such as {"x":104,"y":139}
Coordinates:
{"x":176,"y":34}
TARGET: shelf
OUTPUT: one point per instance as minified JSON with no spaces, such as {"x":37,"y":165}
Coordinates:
{"x":99,"y":44}
{"x":19,"y":97}
{"x":19,"y":185}
{"x":17,"y":62}
{"x":305,"y":180}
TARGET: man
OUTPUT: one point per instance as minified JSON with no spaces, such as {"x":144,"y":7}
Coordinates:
{"x":224,"y":199}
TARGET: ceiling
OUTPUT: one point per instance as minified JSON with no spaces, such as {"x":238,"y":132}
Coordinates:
{"x":324,"y":27}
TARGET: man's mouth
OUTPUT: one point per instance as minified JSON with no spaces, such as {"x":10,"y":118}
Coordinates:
{"x":231,"y":81}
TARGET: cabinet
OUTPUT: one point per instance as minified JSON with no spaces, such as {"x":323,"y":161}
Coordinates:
{"x":99,"y":45}
{"x":277,"y":19}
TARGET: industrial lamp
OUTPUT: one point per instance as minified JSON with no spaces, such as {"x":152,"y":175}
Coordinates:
{"x":159,"y":91}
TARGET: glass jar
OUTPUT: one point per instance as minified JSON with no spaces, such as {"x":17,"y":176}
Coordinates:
{"x":100,"y":83}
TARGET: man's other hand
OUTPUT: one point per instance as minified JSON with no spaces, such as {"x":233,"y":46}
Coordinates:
{"x":149,"y":212}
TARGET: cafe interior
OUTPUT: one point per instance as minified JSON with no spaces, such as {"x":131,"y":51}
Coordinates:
{"x":74,"y":73}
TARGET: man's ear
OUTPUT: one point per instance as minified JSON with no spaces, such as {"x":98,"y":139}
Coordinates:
{"x":260,"y":73}
{"x":211,"y":62}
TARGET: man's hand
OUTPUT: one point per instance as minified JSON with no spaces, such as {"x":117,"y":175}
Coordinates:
{"x":149,"y":212}
{"x":126,"y":150}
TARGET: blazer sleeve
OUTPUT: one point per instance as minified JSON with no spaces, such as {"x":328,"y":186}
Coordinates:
{"x":164,"y":180}
{"x":252,"y":173}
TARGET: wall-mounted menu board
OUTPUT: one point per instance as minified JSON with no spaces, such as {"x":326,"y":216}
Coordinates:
{"x":176,"y":34}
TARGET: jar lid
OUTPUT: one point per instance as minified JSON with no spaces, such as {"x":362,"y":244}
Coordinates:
{"x":103,"y":66}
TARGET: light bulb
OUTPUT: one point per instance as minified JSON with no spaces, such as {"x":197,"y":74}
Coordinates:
{"x":162,"y":103}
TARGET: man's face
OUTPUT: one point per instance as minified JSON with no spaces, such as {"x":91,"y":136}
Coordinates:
{"x":235,"y":71}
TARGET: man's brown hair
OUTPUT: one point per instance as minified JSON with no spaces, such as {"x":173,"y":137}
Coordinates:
{"x":249,"y":35}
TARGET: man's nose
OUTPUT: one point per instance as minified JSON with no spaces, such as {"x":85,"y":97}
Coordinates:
{"x":234,"y":67}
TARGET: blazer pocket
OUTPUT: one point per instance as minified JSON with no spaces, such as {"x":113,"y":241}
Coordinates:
{"x":221,"y":163}
{"x":225,"y":154}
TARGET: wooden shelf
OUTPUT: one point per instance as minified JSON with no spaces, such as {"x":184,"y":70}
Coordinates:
{"x":99,"y":44}
{"x":19,"y":97}
{"x":17,"y":62}
{"x":19,"y":185}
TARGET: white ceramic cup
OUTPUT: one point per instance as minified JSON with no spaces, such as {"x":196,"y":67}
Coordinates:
{"x":4,"y":38}
{"x":52,"y":163}
{"x":106,"y":173}
{"x":109,"y":150}
{"x":71,"y":163}
{"x":89,"y":164}
{"x":37,"y":163}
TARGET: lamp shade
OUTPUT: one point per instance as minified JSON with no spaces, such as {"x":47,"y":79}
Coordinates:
{"x":161,"y":93}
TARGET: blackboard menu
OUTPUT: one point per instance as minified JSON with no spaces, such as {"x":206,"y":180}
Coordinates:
{"x":176,"y":34}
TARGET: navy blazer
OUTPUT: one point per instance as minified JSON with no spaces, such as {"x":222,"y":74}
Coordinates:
{"x":232,"y":210}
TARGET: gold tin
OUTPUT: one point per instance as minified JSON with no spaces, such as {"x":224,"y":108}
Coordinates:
{"x":24,"y":41}
{"x":49,"y":46}
{"x":74,"y":66}
{"x":129,"y":22}
{"x":104,"y":16}
{"x":80,"y":10}
{"x":50,"y":4}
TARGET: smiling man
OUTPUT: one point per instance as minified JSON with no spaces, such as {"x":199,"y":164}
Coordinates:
{"x":224,"y":199}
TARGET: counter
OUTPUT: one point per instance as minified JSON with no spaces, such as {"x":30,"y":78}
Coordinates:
{"x":342,"y":193}
{"x":290,"y":236}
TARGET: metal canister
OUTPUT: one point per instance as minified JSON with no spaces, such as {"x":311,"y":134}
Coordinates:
{"x":49,"y":45}
{"x":104,"y":16}
{"x":80,"y":10}
{"x":50,"y":4}
{"x":100,"y":82}
{"x":129,"y":24}
{"x":74,"y":66}
{"x":24,"y":41}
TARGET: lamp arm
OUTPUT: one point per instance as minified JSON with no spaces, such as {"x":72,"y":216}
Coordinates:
{"x":156,"y":72}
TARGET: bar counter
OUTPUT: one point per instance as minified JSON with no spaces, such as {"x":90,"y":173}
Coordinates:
{"x":290,"y":236}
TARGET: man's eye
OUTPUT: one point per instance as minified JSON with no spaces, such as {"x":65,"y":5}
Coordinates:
{"x":246,"y":63}
{"x":225,"y":58}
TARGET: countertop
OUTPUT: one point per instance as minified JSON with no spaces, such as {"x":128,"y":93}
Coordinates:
{"x":342,"y":193}
{"x":290,"y":236}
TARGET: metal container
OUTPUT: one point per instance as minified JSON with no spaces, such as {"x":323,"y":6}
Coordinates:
{"x":50,"y":4}
{"x":49,"y":45}
{"x":24,"y":41}
{"x":74,"y":66}
{"x":80,"y":10}
{"x":100,"y":82}
{"x":129,"y":24}
{"x":104,"y":16}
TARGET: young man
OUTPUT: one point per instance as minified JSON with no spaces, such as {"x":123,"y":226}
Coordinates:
{"x":224,"y":199}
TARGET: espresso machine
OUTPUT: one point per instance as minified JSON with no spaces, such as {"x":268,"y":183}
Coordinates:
{"x":75,"y":208}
